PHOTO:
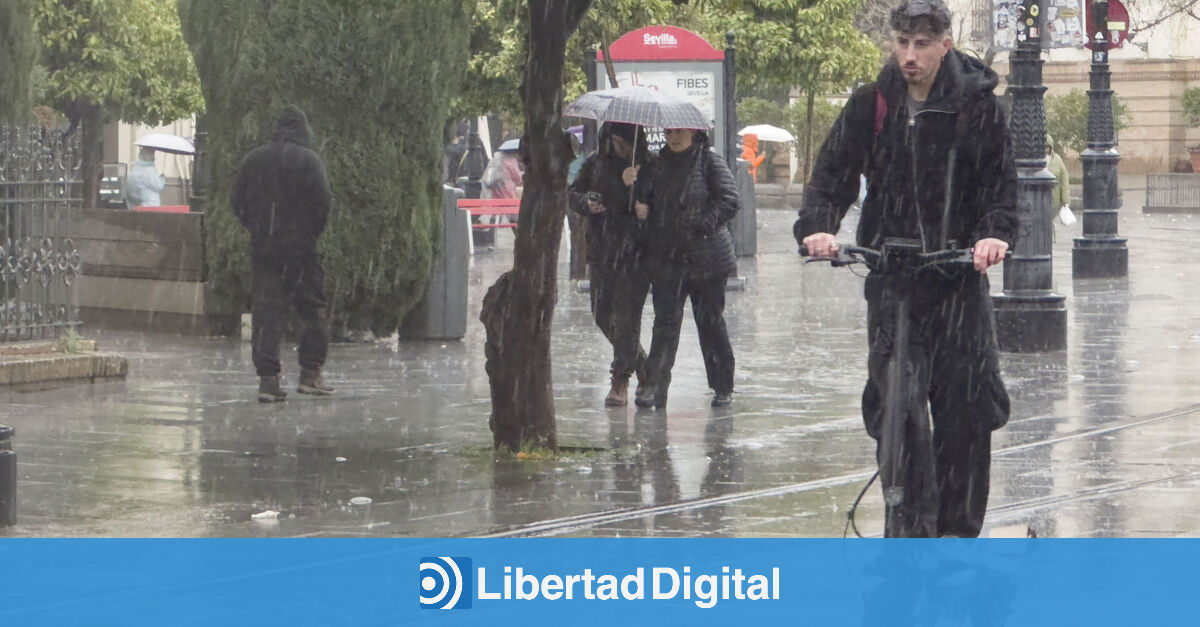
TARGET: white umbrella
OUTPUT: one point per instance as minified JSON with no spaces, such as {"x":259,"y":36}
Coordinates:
{"x":768,"y":133}
{"x":167,"y":143}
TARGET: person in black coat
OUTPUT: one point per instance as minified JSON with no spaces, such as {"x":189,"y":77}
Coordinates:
{"x":619,"y":282}
{"x":934,"y":145}
{"x":686,"y":200}
{"x":281,"y":195}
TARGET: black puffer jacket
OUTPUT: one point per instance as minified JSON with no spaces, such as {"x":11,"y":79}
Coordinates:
{"x":281,"y":194}
{"x":692,"y":197}
{"x":611,"y":234}
{"x":908,"y":164}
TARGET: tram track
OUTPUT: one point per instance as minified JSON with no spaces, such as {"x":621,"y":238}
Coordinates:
{"x":568,"y":524}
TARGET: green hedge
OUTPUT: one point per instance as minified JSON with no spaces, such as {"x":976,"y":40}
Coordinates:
{"x":375,"y":78}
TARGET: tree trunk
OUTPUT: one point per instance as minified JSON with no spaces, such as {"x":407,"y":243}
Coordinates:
{"x":92,"y":147}
{"x":808,"y":134}
{"x":519,"y":307}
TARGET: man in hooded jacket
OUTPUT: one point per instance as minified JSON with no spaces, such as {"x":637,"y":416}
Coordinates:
{"x":282,"y":197}
{"x":933,"y":143}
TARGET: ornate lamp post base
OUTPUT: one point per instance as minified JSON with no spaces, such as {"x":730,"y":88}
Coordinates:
{"x":1100,"y":253}
{"x":1031,"y":322}
{"x":1099,"y":258}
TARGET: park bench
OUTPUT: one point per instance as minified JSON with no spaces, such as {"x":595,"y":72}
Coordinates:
{"x":1172,"y":193}
{"x":492,"y":207}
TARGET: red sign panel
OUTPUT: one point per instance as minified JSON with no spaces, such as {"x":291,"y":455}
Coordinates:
{"x":662,"y":43}
{"x":1118,"y":25}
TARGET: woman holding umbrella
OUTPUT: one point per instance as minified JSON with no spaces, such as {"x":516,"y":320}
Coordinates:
{"x":602,"y":191}
{"x":686,"y":198}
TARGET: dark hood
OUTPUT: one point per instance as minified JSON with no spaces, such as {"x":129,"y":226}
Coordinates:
{"x":292,"y":126}
{"x":960,"y":79}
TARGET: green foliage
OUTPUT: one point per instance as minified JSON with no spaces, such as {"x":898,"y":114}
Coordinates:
{"x":809,"y":44}
{"x":1191,"y":106}
{"x":124,"y":57}
{"x":18,"y":50}
{"x":1066,"y":119}
{"x":375,"y":78}
{"x":824,"y":115}
{"x":498,"y":53}
{"x":755,"y":110}
{"x":495,"y":64}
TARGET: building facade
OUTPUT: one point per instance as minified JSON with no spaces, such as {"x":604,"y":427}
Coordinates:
{"x":1149,"y":75}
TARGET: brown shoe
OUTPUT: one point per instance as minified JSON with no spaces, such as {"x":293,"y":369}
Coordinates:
{"x":618,"y":394}
{"x":270,"y":389}
{"x":312,"y":383}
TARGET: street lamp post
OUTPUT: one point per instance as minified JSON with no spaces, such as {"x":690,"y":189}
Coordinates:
{"x":1100,"y":253}
{"x":1030,"y":317}
{"x":474,"y":161}
{"x":199,"y":188}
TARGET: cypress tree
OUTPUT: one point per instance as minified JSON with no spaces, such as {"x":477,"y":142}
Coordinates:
{"x":18,"y":50}
{"x":375,"y":78}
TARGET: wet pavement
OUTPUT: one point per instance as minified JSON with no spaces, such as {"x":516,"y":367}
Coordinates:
{"x":1103,"y":439}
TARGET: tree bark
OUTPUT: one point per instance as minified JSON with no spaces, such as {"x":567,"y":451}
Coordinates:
{"x":519,"y":307}
{"x":92,"y":147}
{"x":808,"y":134}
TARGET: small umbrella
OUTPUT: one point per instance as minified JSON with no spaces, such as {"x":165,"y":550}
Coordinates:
{"x":639,"y":105}
{"x":768,"y":133}
{"x":167,"y":143}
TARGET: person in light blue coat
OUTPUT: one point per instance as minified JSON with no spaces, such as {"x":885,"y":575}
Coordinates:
{"x":145,"y":183}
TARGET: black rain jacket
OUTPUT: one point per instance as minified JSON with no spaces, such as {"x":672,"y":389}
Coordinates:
{"x":281,"y":194}
{"x":611,"y":234}
{"x":688,"y":235}
{"x":919,"y":170}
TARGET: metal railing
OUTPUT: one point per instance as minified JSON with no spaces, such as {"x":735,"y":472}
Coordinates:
{"x":1172,"y":192}
{"x":39,"y":188}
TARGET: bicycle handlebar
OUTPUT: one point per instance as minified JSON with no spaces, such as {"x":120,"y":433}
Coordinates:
{"x":897,"y":255}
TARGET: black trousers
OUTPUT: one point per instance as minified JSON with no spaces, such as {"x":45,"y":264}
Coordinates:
{"x":278,"y":285}
{"x":708,"y":308}
{"x":618,"y":294}
{"x":953,"y":383}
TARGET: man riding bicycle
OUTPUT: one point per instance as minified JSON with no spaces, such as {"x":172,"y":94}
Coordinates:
{"x":933,"y":143}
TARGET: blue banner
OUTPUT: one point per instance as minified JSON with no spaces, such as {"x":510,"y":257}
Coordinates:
{"x":181,"y":582}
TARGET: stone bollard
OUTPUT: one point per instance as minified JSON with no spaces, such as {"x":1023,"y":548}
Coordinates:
{"x":8,"y":478}
{"x":442,"y":313}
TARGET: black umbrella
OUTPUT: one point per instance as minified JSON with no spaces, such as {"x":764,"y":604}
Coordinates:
{"x":639,"y":105}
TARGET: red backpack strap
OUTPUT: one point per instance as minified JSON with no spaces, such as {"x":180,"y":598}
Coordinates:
{"x":880,"y":112}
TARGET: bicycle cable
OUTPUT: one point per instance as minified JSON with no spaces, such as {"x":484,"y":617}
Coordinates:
{"x":850,"y":524}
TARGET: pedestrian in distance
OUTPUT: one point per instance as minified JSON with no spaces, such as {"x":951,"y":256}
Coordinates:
{"x":1060,"y":200}
{"x":603,"y":193}
{"x":281,"y":195}
{"x":936,"y":151}
{"x":686,"y":201}
{"x":145,"y":183}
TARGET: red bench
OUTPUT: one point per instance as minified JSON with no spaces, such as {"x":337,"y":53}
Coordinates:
{"x":492,"y":207}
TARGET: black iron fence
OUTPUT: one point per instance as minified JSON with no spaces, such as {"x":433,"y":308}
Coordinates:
{"x":1172,"y":193}
{"x":39,"y":188}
